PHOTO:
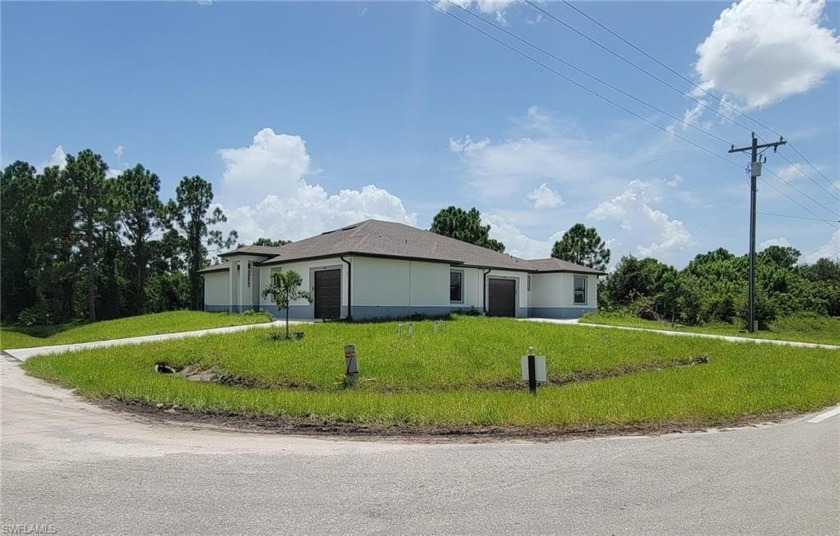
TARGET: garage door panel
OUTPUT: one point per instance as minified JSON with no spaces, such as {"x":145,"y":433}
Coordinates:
{"x":328,"y":294}
{"x":502,"y":297}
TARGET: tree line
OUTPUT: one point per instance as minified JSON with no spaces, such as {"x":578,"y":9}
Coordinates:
{"x":78,"y":244}
{"x":713,"y":287}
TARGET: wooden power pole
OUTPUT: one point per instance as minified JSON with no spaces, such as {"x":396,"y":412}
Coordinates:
{"x":755,"y":172}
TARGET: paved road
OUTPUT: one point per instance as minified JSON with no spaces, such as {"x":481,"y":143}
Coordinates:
{"x":70,"y":466}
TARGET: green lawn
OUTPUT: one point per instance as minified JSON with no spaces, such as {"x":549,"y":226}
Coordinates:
{"x":802,"y":328}
{"x":152,"y":324}
{"x":466,"y":375}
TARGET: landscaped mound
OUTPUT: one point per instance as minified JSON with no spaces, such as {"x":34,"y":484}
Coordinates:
{"x":465,"y":377}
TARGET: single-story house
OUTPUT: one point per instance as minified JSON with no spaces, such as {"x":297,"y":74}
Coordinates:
{"x":378,"y":269}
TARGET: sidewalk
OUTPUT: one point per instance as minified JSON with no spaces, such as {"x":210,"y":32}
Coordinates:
{"x":688,"y":334}
{"x":22,"y":354}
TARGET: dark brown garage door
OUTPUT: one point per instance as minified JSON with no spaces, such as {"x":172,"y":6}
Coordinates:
{"x":502,"y":300}
{"x":328,"y":294}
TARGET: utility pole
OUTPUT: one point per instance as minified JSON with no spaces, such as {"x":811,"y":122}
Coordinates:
{"x":755,"y":172}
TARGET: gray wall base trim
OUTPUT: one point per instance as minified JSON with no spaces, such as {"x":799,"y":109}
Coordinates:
{"x":562,"y":313}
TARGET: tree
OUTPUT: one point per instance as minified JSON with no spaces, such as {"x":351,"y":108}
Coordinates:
{"x":285,"y":288}
{"x":192,"y":217}
{"x":266,"y":242}
{"x":94,"y":214}
{"x":465,"y":226}
{"x":582,"y":245}
{"x":17,"y":188}
{"x":141,"y":214}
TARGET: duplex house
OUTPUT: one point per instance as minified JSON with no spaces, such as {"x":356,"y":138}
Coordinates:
{"x":377,"y":269}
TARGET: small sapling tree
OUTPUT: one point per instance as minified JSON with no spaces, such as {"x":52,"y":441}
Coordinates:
{"x":285,"y":288}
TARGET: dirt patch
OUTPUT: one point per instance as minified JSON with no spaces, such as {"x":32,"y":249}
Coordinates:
{"x":418,"y":433}
{"x":210,"y":375}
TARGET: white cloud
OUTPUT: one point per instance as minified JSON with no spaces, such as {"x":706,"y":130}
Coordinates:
{"x":265,"y":193}
{"x":272,"y":164}
{"x":544,"y":197}
{"x":828,"y":250}
{"x":516,"y":242}
{"x":652,"y":230}
{"x":118,"y":151}
{"x":781,"y":241}
{"x":498,"y":8}
{"x":58,"y":158}
{"x":791,"y":172}
{"x":500,"y":170}
{"x":760,"y":52}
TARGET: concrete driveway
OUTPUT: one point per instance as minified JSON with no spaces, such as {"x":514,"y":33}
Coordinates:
{"x":70,"y":467}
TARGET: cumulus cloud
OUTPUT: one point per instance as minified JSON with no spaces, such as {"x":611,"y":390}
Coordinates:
{"x":265,"y":193}
{"x":500,"y":170}
{"x":652,"y":230}
{"x":828,"y":250}
{"x":791,"y":172}
{"x":544,"y":197}
{"x":516,"y":241}
{"x":118,"y":152}
{"x":497,"y":8}
{"x":273,"y":163}
{"x":761,"y":52}
{"x":781,"y":241}
{"x":58,"y":158}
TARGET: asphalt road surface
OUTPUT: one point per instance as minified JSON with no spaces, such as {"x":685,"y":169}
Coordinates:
{"x":69,"y":467}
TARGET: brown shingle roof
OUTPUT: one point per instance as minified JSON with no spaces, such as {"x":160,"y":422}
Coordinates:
{"x":395,"y":240}
{"x":264,"y":251}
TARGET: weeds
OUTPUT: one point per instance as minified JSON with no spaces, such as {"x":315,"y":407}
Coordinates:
{"x":465,"y":375}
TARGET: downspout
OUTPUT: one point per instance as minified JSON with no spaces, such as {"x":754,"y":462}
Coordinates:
{"x":484,"y":290}
{"x":349,"y":287}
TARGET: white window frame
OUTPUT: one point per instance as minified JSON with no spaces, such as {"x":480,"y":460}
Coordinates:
{"x":461,"y":273}
{"x":575,"y":289}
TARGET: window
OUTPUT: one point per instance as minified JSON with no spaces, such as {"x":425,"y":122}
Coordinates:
{"x":249,"y":274}
{"x":580,"y":290}
{"x":456,"y":286}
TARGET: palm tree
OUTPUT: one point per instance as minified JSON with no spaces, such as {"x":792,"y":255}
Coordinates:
{"x":285,"y":288}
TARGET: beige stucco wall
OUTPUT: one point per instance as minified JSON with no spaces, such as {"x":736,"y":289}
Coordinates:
{"x":216,"y":289}
{"x":557,"y":290}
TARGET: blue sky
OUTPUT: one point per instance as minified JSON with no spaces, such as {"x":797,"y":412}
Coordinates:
{"x":309,"y":116}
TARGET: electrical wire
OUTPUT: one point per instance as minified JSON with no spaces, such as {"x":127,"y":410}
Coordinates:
{"x":797,"y":217}
{"x":676,"y":73}
{"x":581,"y":86}
{"x":589,"y":75}
{"x":610,"y":101}
{"x":639,"y":67}
{"x":803,"y":194}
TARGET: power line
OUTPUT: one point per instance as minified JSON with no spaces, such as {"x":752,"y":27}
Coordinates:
{"x":668,"y":68}
{"x":797,"y":217}
{"x":823,"y":188}
{"x":581,"y":86}
{"x":638,"y":67}
{"x":589,"y":75}
{"x":802,"y":156}
{"x":676,"y":73}
{"x":803,"y":207}
{"x":790,"y":185}
{"x":598,"y":95}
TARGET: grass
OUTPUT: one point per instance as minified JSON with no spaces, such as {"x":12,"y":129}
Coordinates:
{"x":466,"y":375}
{"x":152,"y":324}
{"x":800,"y":328}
